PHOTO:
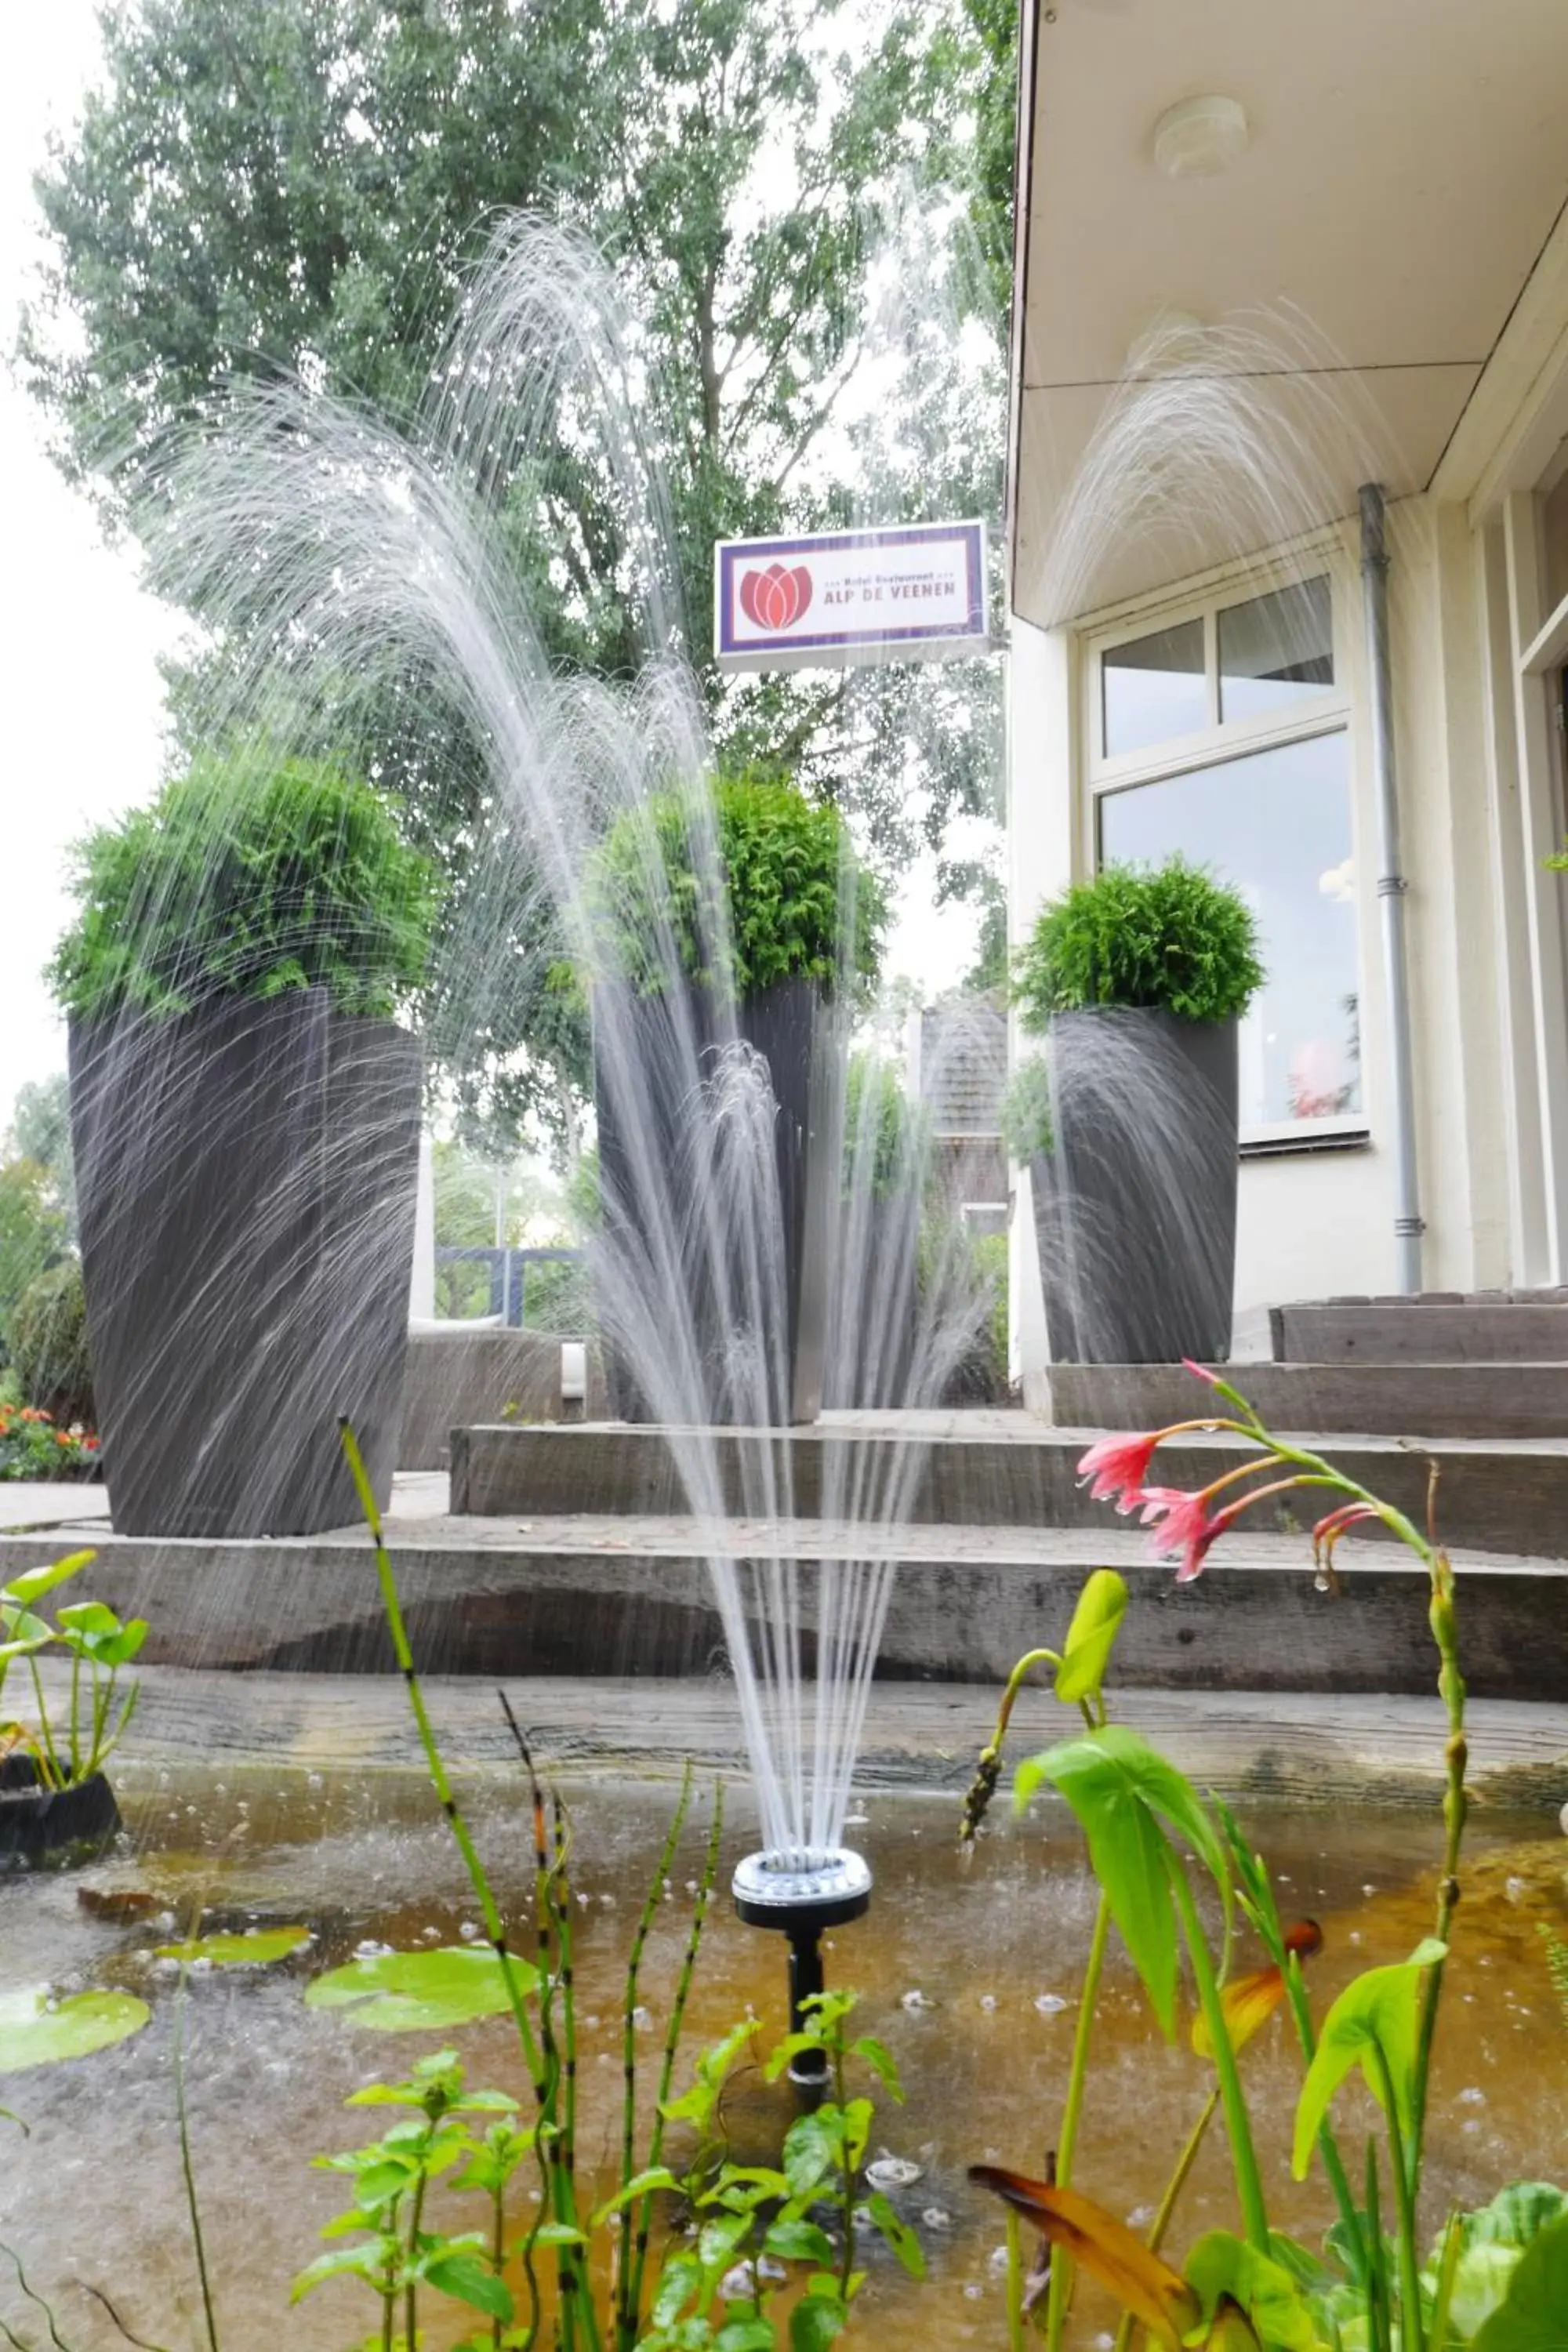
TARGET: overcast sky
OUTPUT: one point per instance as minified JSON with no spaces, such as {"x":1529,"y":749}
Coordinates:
{"x":78,"y":648}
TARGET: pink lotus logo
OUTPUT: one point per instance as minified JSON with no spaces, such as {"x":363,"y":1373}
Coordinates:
{"x":774,"y":598}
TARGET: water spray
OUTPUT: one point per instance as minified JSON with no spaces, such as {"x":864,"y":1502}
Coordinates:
{"x":800,"y":1896}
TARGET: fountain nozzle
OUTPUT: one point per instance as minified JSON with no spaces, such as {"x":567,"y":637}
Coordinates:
{"x":800,"y":1896}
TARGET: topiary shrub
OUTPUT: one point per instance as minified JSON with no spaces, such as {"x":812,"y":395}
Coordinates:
{"x":248,"y":878}
{"x":1169,"y":937}
{"x":50,"y":1347}
{"x":800,"y":905}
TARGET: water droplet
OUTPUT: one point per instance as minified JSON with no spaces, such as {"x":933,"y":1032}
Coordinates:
{"x":914,"y":1999}
{"x":1321,"y":1580}
{"x":988,"y":2000}
{"x":1049,"y":2003}
{"x":998,"y":2258}
{"x":972,"y":2293}
{"x":1472,"y":2096}
{"x":468,"y":1931}
{"x":936,"y":2217}
{"x":641,"y":2019}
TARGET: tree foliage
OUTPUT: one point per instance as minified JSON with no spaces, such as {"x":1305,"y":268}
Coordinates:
{"x":267,"y":187}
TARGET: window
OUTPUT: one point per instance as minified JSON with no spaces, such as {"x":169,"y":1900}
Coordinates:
{"x":1260,"y":806}
{"x":1153,"y":688}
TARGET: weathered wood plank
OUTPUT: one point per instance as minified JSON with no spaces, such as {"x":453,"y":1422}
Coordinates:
{"x":1412,"y":1398}
{"x":966,"y":1603}
{"x":1415,"y":1332}
{"x":1012,"y":1471}
{"x":1302,"y":1750}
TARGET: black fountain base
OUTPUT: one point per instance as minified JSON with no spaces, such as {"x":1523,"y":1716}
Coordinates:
{"x":800,"y":1896}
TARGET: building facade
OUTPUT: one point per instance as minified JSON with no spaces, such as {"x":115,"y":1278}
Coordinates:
{"x":1263,"y":260}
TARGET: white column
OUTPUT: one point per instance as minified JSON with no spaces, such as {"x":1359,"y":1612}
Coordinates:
{"x":422,"y":1290}
{"x":1043,"y":853}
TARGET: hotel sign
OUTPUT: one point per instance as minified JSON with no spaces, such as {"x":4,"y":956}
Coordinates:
{"x":913,"y":593}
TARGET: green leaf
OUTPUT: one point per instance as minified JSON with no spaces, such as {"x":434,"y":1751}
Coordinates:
{"x":815,"y":2322}
{"x":1534,"y":2318}
{"x":793,"y":2240}
{"x":559,"y":2233}
{"x":658,"y":2175}
{"x":1091,"y":1637}
{"x":254,"y":1950}
{"x":753,"y":2334}
{"x":1375,"y":2012}
{"x":1124,"y":1793}
{"x":898,"y":2235}
{"x":678,"y":2281}
{"x":414,"y":1992}
{"x":36,"y":2033}
{"x":719,"y":2240}
{"x":469,"y":2279}
{"x":366,"y":2261}
{"x":33,"y":1583}
{"x":1220,"y":2264}
{"x":810,"y":2153}
{"x":876,"y":2055}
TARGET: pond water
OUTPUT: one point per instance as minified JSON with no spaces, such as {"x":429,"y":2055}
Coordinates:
{"x":968,"y":1971}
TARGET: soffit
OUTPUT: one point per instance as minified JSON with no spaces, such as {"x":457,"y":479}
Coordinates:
{"x":1406,"y":161}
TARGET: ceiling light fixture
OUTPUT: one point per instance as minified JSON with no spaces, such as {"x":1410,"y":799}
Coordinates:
{"x":1199,"y":136}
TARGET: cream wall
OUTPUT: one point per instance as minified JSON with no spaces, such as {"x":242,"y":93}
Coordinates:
{"x":1319,"y":1222}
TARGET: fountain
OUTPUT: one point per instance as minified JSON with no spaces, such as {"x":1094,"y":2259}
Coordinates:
{"x":339,"y":563}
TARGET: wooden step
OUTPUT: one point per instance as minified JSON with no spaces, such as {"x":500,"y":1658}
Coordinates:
{"x":1411,"y":1400}
{"x":990,"y":1469}
{"x":1433,"y":1330}
{"x":606,"y":1596}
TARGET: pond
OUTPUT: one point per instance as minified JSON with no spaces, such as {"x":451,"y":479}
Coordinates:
{"x":969,"y":1973}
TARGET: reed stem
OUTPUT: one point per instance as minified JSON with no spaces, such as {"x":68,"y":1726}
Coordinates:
{"x":1060,"y":2286}
{"x":1243,"y":2156}
{"x":625,"y":2332}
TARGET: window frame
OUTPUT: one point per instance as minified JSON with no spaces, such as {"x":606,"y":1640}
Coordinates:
{"x":1328,"y":710}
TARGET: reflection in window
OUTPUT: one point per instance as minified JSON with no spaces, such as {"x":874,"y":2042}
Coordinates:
{"x":1275,"y":650}
{"x":1277,"y":824}
{"x":1153,"y":688}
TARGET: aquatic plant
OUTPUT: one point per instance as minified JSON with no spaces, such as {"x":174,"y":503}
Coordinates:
{"x":750,"y":2211}
{"x":249,"y":876}
{"x":754,"y":884}
{"x":1169,"y":937}
{"x":1148,"y":1832}
{"x":98,"y":1646}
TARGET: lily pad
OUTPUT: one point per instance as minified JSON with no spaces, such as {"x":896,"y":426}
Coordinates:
{"x":251,"y":1951}
{"x":36,"y":2033}
{"x":409,"y":1992}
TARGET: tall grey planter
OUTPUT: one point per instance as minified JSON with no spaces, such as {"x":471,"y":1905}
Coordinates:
{"x":245,"y":1177}
{"x":660,"y":1232}
{"x":1135,"y":1203}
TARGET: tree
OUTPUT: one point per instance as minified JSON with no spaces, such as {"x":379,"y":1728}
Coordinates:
{"x":32,"y":1235}
{"x":41,"y":1132}
{"x":300,"y":187}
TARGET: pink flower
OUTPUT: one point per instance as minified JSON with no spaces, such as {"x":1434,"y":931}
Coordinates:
{"x":1183,"y":1526}
{"x":1117,"y":1468}
{"x":1200,"y":1371}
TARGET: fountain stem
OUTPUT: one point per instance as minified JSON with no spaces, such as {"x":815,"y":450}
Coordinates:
{"x":801,"y":1897}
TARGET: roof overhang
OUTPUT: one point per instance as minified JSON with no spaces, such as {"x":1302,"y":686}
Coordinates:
{"x":1207,"y":366}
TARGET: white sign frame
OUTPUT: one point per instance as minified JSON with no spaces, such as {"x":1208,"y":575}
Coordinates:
{"x":835,"y":598}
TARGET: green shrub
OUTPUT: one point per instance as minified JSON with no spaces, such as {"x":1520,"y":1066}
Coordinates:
{"x":800,"y":905}
{"x":32,"y":1235}
{"x":1167,"y":936}
{"x":49,"y":1345}
{"x":1028,"y":1117}
{"x":882,"y":1130}
{"x":248,"y":878}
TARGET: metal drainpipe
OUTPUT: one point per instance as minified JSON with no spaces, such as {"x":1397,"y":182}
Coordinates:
{"x":1408,"y":1224}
